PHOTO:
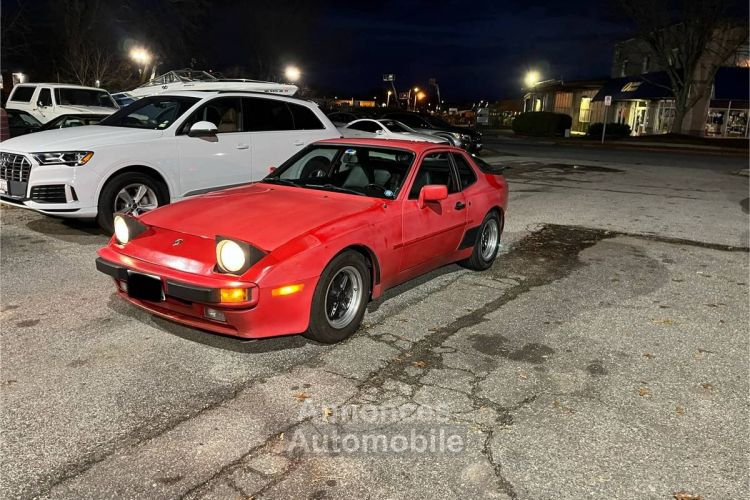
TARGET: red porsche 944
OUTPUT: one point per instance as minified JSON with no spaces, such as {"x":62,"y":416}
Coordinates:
{"x":305,"y":249}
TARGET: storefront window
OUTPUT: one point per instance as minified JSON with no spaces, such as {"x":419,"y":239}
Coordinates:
{"x":737,"y":123}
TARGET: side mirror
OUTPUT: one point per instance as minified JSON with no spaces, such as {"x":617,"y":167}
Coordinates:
{"x":432,"y":192}
{"x":202,"y":129}
{"x":271,"y":170}
{"x":379,"y":132}
{"x":40,"y":104}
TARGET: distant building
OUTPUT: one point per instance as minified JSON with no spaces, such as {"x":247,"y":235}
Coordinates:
{"x":642,"y":96}
{"x":572,"y":98}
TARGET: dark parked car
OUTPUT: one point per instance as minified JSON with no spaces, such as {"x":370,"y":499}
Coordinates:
{"x":341,"y":118}
{"x":65,"y":121}
{"x":463,"y":137}
{"x":14,"y":123}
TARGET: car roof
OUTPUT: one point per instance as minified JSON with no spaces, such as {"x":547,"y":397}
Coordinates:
{"x":230,"y":93}
{"x":417,"y":147}
{"x":57,"y":86}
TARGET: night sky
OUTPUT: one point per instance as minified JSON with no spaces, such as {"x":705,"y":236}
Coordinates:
{"x":476,"y":50}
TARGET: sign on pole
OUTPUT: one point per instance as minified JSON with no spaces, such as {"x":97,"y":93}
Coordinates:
{"x":389,"y":77}
{"x":607,"y":104}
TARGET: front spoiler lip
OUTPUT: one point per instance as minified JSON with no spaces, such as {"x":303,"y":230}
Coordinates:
{"x":176,"y":289}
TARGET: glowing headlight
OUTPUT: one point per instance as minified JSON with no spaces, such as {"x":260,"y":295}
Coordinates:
{"x":122,"y":232}
{"x":230,"y":256}
{"x":69,"y":158}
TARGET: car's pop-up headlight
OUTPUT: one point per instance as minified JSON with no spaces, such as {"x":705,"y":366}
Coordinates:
{"x":236,"y":257}
{"x":127,"y":228}
{"x":69,"y":158}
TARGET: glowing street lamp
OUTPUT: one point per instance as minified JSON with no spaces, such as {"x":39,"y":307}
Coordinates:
{"x":408,"y":97}
{"x":292,"y":73}
{"x":418,"y":97}
{"x":532,"y":78}
{"x":141,"y":57}
{"x":388,"y":98}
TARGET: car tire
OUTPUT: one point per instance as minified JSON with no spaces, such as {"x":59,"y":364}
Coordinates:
{"x":128,"y":181}
{"x":487,"y":243}
{"x":340,"y":298}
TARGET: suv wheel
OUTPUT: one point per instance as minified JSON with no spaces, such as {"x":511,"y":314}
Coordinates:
{"x":131,"y":192}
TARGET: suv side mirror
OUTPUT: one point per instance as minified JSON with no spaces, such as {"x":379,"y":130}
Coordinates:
{"x":432,"y":192}
{"x":202,"y":129}
{"x":40,"y":104}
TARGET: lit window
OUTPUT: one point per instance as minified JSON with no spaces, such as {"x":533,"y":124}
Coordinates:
{"x":584,"y":114}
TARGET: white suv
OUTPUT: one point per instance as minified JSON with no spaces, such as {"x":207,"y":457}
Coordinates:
{"x":45,"y":101}
{"x":157,"y":150}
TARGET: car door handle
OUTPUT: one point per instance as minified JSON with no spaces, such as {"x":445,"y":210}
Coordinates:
{"x":242,"y":146}
{"x":460,"y":205}
{"x":299,"y":143}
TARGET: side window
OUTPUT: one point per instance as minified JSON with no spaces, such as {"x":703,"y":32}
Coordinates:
{"x":466,"y":175}
{"x":224,"y":112}
{"x":22,"y":94}
{"x":435,"y":169}
{"x":365,"y":126}
{"x":266,"y":115}
{"x":45,"y":97}
{"x":304,"y":118}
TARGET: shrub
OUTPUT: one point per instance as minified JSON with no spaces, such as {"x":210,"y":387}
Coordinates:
{"x":613,"y":130}
{"x":542,"y":123}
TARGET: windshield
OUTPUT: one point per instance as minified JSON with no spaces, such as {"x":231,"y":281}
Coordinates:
{"x":151,"y":112}
{"x":437,"y":122}
{"x":19,"y":119}
{"x":83,"y":97}
{"x":395,"y":126}
{"x":358,"y":170}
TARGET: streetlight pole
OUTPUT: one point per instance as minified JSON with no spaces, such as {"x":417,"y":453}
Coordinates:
{"x":388,"y":98}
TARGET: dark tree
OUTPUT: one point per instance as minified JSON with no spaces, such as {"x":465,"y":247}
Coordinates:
{"x":690,"y":40}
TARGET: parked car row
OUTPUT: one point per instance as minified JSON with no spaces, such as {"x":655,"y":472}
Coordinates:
{"x":463,"y":137}
{"x":332,"y":223}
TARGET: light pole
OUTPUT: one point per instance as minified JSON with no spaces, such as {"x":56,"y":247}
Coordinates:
{"x":531,"y":79}
{"x":408,"y":98}
{"x":388,"y":98}
{"x":142,"y":58}
{"x":418,"y":97}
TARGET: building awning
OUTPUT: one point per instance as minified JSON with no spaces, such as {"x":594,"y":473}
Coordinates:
{"x":732,"y":84}
{"x":650,"y":86}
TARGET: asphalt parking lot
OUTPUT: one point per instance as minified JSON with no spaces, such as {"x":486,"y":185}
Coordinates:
{"x":605,"y":355}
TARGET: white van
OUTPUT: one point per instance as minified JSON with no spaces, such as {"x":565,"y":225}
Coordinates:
{"x":45,"y":101}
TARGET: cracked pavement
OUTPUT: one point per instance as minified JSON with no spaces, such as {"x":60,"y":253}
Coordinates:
{"x":604,"y":355}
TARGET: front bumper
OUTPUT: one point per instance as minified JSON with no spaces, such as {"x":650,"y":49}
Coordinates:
{"x":51,"y":189}
{"x":186,"y":297}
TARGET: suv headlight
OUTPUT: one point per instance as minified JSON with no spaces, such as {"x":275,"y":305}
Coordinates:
{"x":69,"y":158}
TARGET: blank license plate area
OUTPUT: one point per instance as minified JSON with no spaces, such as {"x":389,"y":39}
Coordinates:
{"x":145,"y":287}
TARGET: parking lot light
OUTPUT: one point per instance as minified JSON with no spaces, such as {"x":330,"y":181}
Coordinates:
{"x":292,"y":73}
{"x":532,"y":78}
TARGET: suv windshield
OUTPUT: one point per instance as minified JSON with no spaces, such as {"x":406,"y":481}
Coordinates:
{"x":357,"y":170}
{"x":151,"y":112}
{"x":395,"y":126}
{"x":437,"y":122}
{"x":83,"y":97}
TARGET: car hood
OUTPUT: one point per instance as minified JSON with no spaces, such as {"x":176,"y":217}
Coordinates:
{"x":264,"y":215}
{"x":86,"y":138}
{"x":86,"y":110}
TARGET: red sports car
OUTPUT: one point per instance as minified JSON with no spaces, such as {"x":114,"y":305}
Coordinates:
{"x":305,"y":249}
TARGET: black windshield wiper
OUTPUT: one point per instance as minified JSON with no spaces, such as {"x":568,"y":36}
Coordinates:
{"x":276,"y":180}
{"x":331,"y":187}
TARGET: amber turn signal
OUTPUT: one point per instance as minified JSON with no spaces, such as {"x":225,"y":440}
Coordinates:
{"x":287,"y":290}
{"x":234,"y":295}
